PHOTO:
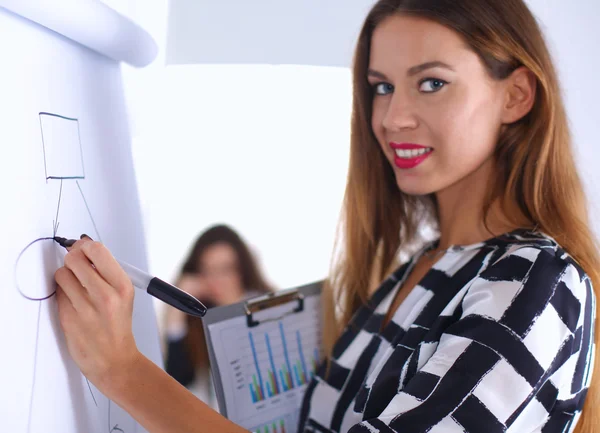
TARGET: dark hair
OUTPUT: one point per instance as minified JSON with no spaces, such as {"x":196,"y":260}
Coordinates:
{"x":252,"y":279}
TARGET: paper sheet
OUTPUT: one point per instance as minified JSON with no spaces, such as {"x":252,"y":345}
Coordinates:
{"x":66,"y":168}
{"x":265,"y":369}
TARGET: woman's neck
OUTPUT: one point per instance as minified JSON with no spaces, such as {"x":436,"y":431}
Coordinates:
{"x":464,"y":225}
{"x":462,"y":220}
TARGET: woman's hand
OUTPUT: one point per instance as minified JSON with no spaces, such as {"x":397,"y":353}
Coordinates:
{"x":95,"y":306}
{"x":193,"y":284}
{"x":95,"y":303}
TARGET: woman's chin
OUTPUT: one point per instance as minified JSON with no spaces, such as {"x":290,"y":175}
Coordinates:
{"x":414,"y":188}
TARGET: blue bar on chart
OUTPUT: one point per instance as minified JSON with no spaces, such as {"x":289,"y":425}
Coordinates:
{"x":256,"y":390}
{"x":287,"y":368}
{"x":272,"y":384}
{"x":304,"y":372}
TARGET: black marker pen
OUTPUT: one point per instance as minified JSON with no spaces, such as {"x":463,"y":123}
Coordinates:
{"x":154,"y":286}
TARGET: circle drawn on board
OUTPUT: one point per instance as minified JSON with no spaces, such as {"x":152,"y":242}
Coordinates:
{"x":37,"y":284}
{"x":32,"y":285}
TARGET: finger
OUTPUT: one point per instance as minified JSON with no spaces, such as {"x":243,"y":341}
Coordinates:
{"x":79,"y":243}
{"x":66,"y":311}
{"x":106,"y":265}
{"x":71,"y":291}
{"x":78,"y":263}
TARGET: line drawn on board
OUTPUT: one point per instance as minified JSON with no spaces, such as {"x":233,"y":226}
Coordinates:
{"x":37,"y":335}
{"x":55,"y":225}
{"x":55,"y":222}
{"x":88,"y":209}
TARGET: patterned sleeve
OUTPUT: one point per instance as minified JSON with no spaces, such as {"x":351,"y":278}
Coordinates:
{"x":518,"y":358}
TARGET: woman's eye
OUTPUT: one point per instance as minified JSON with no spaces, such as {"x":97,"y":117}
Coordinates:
{"x":383,"y":88}
{"x":431,"y":85}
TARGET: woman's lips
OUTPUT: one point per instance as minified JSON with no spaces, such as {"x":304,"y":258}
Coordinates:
{"x":409,"y":155}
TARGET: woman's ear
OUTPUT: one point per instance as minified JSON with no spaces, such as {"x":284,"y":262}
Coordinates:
{"x":520,"y":95}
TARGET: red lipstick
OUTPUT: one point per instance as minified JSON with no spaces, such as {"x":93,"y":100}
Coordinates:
{"x":409,"y":155}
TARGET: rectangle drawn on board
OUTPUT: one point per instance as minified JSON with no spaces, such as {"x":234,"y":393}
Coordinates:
{"x":63,"y":158}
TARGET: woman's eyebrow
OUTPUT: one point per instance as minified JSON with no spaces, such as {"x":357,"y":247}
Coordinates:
{"x":414,"y":70}
{"x":428,"y":65}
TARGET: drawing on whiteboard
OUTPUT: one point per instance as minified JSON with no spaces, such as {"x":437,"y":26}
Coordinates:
{"x":68,"y":208}
{"x":33,"y":289}
{"x":28,"y":293}
{"x":37,"y":336}
{"x":61,"y":143}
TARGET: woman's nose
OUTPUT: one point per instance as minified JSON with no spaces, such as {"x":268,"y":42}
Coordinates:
{"x":399,"y":114}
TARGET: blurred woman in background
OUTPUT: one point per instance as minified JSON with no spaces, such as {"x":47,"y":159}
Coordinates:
{"x":219,"y":270}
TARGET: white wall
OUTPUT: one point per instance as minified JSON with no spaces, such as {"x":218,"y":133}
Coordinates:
{"x":573,"y":35}
{"x":248,"y":146}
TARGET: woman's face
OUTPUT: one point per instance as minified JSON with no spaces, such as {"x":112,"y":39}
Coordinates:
{"x":219,"y":268}
{"x":436,"y":112}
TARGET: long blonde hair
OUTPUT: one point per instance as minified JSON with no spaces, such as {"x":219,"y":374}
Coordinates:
{"x":536,"y":173}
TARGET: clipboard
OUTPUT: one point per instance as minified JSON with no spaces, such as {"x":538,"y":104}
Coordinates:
{"x":263,"y":353}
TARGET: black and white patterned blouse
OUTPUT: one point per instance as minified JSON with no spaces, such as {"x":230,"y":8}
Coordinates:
{"x":497,"y":337}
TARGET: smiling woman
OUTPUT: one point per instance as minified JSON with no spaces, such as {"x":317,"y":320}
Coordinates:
{"x":452,"y":105}
{"x":458,"y":122}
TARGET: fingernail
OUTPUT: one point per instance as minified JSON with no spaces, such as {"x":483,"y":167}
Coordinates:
{"x":85,"y":236}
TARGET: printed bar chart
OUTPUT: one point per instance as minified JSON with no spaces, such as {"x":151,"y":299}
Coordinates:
{"x":265,"y":368}
{"x":271,"y":378}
